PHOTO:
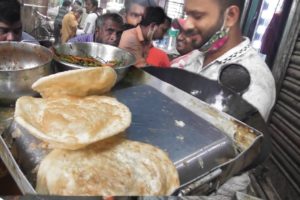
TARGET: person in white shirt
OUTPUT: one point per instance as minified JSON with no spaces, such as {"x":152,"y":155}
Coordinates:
{"x":91,"y":7}
{"x":214,"y":27}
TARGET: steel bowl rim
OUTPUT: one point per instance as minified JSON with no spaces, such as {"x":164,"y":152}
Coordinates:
{"x":93,"y":43}
{"x":29,"y":44}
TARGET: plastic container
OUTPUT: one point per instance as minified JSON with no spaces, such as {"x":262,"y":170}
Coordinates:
{"x":172,"y":34}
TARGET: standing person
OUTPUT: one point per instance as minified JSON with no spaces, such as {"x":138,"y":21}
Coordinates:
{"x":10,"y":21}
{"x":134,"y":11}
{"x":184,"y":47}
{"x":183,"y":42}
{"x":214,"y":27}
{"x":11,"y":24}
{"x":70,"y":23}
{"x":91,"y":7}
{"x":138,"y":40}
{"x":109,"y":28}
{"x":157,"y":57}
{"x":63,"y":10}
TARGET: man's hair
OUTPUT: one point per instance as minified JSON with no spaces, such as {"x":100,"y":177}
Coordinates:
{"x":226,"y":3}
{"x":66,"y":3}
{"x":144,"y":3}
{"x":122,"y":11}
{"x":155,"y":15}
{"x":168,"y":19}
{"x":10,"y":11}
{"x":94,"y":2}
{"x":112,"y":16}
{"x":78,"y":3}
{"x":76,"y":8}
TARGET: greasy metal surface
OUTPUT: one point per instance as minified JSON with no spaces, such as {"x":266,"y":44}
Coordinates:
{"x":218,"y":97}
{"x":194,"y":145}
{"x":30,"y":152}
{"x":207,"y":90}
{"x":240,"y":133}
{"x":198,"y":138}
{"x":11,"y":164}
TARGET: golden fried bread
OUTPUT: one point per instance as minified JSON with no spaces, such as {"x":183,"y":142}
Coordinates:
{"x":72,"y":122}
{"x":111,"y":167}
{"x":79,"y":82}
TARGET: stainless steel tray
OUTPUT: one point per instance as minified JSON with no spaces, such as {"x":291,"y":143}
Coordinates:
{"x":206,"y":145}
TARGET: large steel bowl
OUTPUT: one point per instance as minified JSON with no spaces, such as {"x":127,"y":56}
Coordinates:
{"x":21,"y":64}
{"x":98,"y":51}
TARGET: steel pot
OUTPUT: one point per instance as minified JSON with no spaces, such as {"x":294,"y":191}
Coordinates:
{"x":99,"y":51}
{"x":21,"y":64}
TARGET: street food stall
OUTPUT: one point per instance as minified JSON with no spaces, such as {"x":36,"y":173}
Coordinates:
{"x":206,"y":146}
{"x":208,"y":133}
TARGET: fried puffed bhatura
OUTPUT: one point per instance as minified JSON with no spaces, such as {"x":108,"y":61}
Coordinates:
{"x":90,"y":157}
{"x":111,"y":167}
{"x":79,"y":82}
{"x":72,"y":122}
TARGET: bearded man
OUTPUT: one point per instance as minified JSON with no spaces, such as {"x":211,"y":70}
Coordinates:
{"x":225,"y":55}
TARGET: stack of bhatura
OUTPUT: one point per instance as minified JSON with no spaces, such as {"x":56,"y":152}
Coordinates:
{"x":83,"y":128}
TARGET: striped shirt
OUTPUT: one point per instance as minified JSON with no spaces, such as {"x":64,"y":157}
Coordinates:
{"x":61,"y":13}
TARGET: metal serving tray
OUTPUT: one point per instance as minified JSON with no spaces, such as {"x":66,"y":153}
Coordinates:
{"x":206,"y":145}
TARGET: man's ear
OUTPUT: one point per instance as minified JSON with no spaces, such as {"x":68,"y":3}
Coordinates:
{"x":232,"y":16}
{"x":97,"y":29}
{"x":152,"y":25}
{"x":155,"y":28}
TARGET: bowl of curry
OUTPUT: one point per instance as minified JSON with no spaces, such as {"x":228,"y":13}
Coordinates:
{"x":69,"y":56}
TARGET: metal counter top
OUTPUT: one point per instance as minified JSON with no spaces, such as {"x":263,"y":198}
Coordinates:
{"x":206,"y":145}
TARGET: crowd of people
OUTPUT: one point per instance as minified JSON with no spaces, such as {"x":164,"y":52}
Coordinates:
{"x":209,"y":38}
